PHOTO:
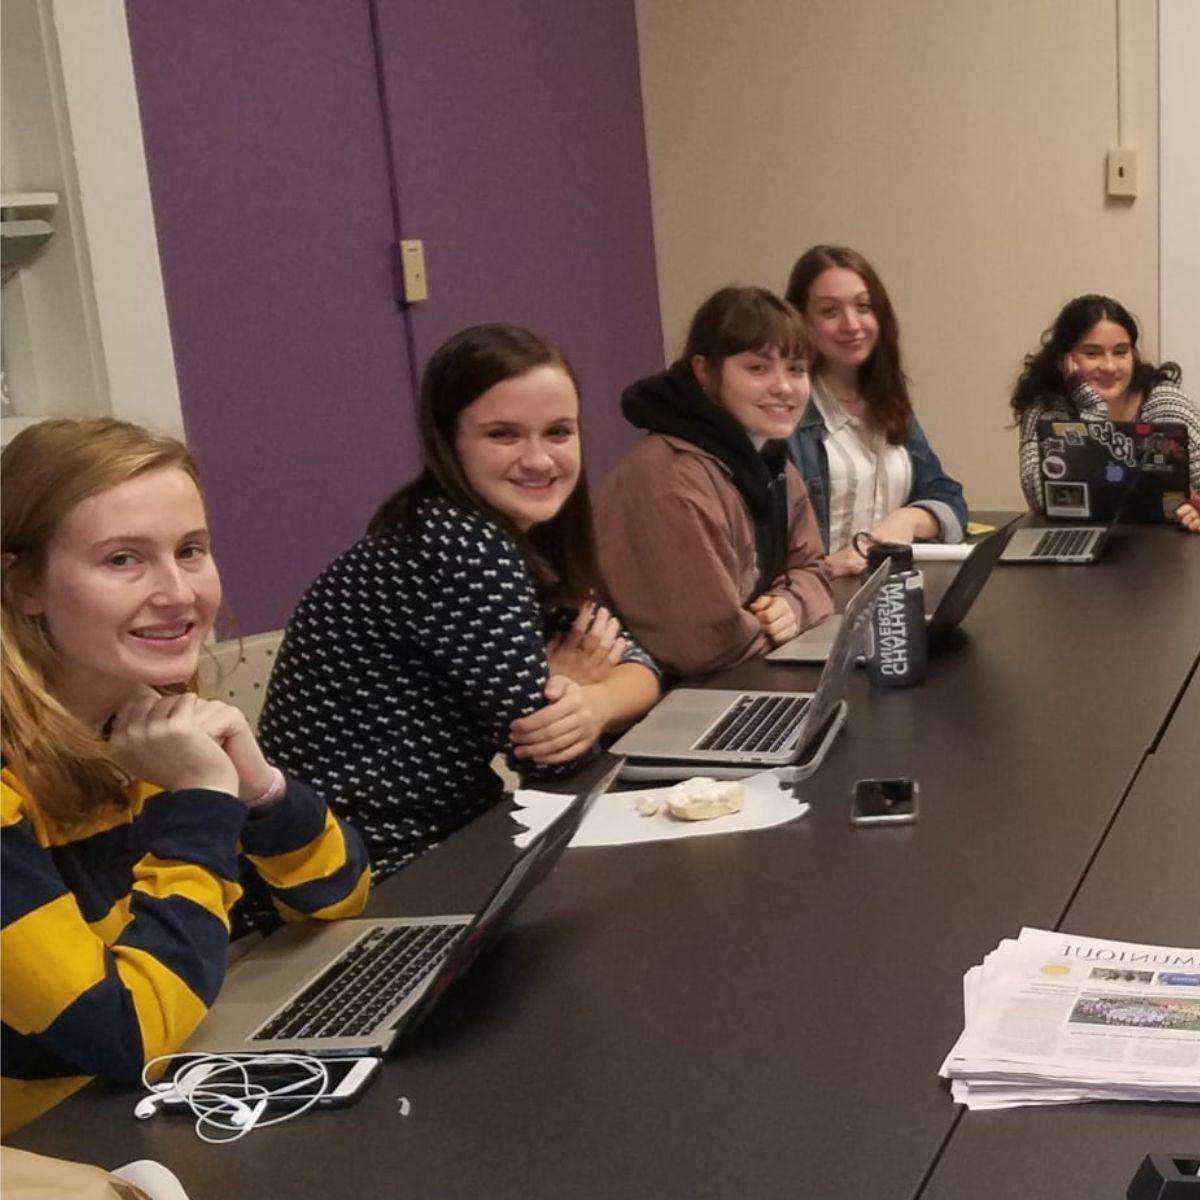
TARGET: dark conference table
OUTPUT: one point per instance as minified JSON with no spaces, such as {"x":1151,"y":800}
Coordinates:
{"x":763,"y":1015}
{"x":1144,"y":886}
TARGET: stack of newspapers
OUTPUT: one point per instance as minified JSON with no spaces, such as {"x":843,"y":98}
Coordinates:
{"x":1052,"y":1018}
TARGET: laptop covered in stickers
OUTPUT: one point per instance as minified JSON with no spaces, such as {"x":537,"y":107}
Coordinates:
{"x":1086,"y":467}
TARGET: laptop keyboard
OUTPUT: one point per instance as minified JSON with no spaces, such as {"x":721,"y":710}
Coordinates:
{"x":756,"y":723}
{"x":364,"y":983}
{"x":1055,"y":542}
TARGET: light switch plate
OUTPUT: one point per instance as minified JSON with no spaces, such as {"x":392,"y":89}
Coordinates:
{"x":412,"y":260}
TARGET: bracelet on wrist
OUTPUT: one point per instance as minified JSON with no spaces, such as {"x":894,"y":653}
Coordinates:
{"x":272,"y":792}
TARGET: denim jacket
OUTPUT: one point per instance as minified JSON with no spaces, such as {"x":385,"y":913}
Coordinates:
{"x":932,"y":488}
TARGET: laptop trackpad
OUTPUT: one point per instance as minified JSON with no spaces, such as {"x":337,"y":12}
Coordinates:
{"x":260,"y":983}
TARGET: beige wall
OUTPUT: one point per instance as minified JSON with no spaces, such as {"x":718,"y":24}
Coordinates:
{"x":959,"y":144}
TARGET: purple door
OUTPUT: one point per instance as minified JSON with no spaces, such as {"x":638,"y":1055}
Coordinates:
{"x":271,"y":186}
{"x":520,"y":159}
{"x":509,"y":138}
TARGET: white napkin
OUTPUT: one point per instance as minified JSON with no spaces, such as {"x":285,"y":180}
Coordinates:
{"x":614,"y":820}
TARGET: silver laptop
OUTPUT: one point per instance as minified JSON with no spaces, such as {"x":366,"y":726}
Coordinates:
{"x":814,"y":645}
{"x":351,"y":987}
{"x":1058,"y":544}
{"x":728,"y":734}
{"x":1073,"y":544}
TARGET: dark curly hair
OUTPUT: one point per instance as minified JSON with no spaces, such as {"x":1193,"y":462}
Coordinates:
{"x":1042,"y":382}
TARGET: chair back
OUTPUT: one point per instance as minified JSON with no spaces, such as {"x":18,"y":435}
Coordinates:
{"x":237,"y":672}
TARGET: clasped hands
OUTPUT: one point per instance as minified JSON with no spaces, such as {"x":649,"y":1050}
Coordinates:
{"x":579,"y":659}
{"x":182,"y":741}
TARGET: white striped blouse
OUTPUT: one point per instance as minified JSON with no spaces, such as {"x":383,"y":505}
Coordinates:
{"x":868,"y":477}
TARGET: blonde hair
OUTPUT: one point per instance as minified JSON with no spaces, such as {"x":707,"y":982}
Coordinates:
{"x":45,"y":472}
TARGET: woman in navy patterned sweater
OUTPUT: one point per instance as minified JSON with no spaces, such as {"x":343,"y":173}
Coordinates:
{"x":462,"y":624}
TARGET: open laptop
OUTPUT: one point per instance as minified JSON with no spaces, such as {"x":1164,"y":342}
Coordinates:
{"x":1075,"y":545}
{"x":728,"y":734}
{"x":814,"y":645}
{"x":1085,"y":464}
{"x":351,"y":987}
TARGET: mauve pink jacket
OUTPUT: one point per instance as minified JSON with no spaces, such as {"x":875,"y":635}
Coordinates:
{"x":678,"y":556}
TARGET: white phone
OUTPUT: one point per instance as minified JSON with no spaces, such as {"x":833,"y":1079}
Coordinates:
{"x":347,"y":1079}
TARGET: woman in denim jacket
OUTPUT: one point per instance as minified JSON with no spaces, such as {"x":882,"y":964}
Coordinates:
{"x":865,"y":460}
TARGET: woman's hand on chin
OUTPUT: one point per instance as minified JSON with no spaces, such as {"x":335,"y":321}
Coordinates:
{"x":162,"y":740}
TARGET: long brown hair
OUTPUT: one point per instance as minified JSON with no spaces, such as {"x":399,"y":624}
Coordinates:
{"x":45,"y":472}
{"x":560,"y":552}
{"x":881,"y":379}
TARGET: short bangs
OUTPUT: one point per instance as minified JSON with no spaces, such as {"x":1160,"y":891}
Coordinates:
{"x":737,"y":319}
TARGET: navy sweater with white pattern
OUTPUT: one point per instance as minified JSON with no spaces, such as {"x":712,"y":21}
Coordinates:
{"x":399,"y":674}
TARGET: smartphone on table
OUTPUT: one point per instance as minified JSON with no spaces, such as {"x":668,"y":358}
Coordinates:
{"x":290,"y":1085}
{"x":884,"y":802}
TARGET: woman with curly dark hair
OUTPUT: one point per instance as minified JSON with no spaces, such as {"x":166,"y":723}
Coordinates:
{"x":1088,"y":365}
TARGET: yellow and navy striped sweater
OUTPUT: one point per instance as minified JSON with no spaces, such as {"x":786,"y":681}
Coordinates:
{"x":115,"y":931}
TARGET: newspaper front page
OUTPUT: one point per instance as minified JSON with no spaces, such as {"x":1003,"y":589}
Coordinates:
{"x":1055,"y":1018}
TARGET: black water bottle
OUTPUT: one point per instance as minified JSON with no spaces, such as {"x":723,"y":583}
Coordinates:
{"x":898,"y":652}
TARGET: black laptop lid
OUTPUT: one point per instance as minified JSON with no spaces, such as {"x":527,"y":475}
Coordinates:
{"x":968,"y":582}
{"x":529,"y":869}
{"x":1085,"y":464}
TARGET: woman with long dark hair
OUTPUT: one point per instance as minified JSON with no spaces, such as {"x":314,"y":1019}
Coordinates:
{"x":1089,"y":365}
{"x":865,"y":460}
{"x":136,"y":815}
{"x":463,"y":624}
{"x":708,"y":544}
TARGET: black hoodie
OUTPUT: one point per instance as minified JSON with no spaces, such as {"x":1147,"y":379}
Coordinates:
{"x":674,"y":403}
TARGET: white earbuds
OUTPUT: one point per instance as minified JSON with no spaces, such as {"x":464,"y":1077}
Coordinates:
{"x":239,"y":1112}
{"x":147,"y":1106}
{"x":246,"y":1118}
{"x":219,"y":1090}
{"x":180,"y":1088}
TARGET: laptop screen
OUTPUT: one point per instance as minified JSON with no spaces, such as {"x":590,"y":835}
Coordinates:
{"x":528,"y":870}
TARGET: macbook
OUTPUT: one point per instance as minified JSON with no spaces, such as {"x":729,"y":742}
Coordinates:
{"x":351,"y":987}
{"x":1071,"y":544}
{"x":814,"y":645}
{"x":1086,"y":463}
{"x":728,"y":734}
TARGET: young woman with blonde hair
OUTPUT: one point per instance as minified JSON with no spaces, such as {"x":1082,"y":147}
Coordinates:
{"x":135,"y":814}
